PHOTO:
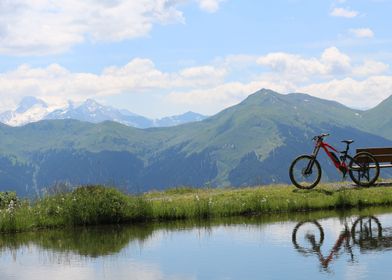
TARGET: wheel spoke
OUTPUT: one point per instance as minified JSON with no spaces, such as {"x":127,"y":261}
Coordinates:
{"x":305,"y":172}
{"x":364,"y":169}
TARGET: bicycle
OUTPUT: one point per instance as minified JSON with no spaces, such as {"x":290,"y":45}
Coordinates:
{"x":366,"y":232}
{"x":305,"y":170}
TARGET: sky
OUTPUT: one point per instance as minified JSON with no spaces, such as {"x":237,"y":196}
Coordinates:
{"x":165,"y":57}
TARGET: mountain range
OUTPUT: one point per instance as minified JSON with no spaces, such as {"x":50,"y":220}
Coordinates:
{"x":32,"y":109}
{"x":250,"y":143}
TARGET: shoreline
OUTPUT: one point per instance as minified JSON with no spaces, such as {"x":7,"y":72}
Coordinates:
{"x":97,"y":205}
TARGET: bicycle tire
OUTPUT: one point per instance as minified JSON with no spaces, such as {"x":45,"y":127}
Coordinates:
{"x":295,"y":167}
{"x":359,"y":221}
{"x":302,"y":249}
{"x":363,"y":169}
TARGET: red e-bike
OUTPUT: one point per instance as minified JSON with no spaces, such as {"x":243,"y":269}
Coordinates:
{"x":305,"y":170}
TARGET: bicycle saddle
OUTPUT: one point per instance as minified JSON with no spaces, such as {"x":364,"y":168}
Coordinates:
{"x":348,"y":142}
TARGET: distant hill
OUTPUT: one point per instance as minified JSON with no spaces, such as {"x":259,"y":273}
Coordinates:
{"x":250,"y":143}
{"x":179,"y":119}
{"x":32,"y":109}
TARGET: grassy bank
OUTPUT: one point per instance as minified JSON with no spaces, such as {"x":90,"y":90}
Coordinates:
{"x":99,"y":205}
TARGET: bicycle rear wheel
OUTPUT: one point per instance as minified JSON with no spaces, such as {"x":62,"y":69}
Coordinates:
{"x":305,"y":172}
{"x":364,"y":169}
{"x":366,"y":230}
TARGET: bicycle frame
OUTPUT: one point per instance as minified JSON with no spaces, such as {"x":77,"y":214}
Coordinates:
{"x":339,"y":164}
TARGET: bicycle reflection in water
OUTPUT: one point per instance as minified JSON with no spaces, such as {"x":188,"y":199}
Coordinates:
{"x":366,"y":232}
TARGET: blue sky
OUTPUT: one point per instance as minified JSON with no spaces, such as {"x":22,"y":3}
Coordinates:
{"x":163,"y":57}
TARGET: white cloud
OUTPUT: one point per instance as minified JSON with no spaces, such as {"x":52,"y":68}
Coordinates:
{"x":370,"y":68}
{"x":44,"y":27}
{"x":362,"y":32}
{"x":208,"y":88}
{"x":356,"y":93}
{"x":210,"y":6}
{"x":296,"y":68}
{"x":342,"y":12}
{"x":335,"y":61}
{"x":332,"y":63}
{"x":292,"y":66}
{"x":56,"y":84}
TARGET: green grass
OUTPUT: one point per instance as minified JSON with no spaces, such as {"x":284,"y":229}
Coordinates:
{"x":95,"y":205}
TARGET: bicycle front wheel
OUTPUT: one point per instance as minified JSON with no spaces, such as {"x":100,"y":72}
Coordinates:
{"x":311,"y":234}
{"x":305,"y":172}
{"x":364,"y":169}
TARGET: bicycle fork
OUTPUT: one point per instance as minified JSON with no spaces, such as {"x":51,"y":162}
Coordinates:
{"x":309,"y":167}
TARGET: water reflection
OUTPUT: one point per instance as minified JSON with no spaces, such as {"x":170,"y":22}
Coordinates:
{"x":350,"y":245}
{"x":99,"y":241}
{"x":365,"y":232}
{"x":89,"y":242}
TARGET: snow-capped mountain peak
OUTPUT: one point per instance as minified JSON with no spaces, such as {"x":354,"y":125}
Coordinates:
{"x":91,"y":105}
{"x":28,"y":102}
{"x":31,"y":109}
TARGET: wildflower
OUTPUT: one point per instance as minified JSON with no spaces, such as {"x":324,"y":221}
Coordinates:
{"x":11,"y":208}
{"x":197,"y":197}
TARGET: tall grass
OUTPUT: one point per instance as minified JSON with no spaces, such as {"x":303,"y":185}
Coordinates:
{"x":93,"y":205}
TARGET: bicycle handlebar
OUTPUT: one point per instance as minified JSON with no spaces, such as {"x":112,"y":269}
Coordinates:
{"x":321,"y":136}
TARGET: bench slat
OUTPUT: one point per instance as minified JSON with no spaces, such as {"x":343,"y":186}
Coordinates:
{"x":376,"y":151}
{"x":383,"y":158}
{"x":381,"y":154}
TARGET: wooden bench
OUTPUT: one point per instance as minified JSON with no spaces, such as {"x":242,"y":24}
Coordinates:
{"x":382,"y":155}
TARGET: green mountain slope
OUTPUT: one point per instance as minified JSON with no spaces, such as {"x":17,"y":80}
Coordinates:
{"x":250,"y":143}
{"x":378,"y":120}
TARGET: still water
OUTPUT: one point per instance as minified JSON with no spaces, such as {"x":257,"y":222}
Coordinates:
{"x":354,"y":245}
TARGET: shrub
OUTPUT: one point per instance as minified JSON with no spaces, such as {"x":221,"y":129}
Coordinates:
{"x":95,"y":205}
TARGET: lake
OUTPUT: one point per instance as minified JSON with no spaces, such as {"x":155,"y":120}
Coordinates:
{"x":322,"y":245}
